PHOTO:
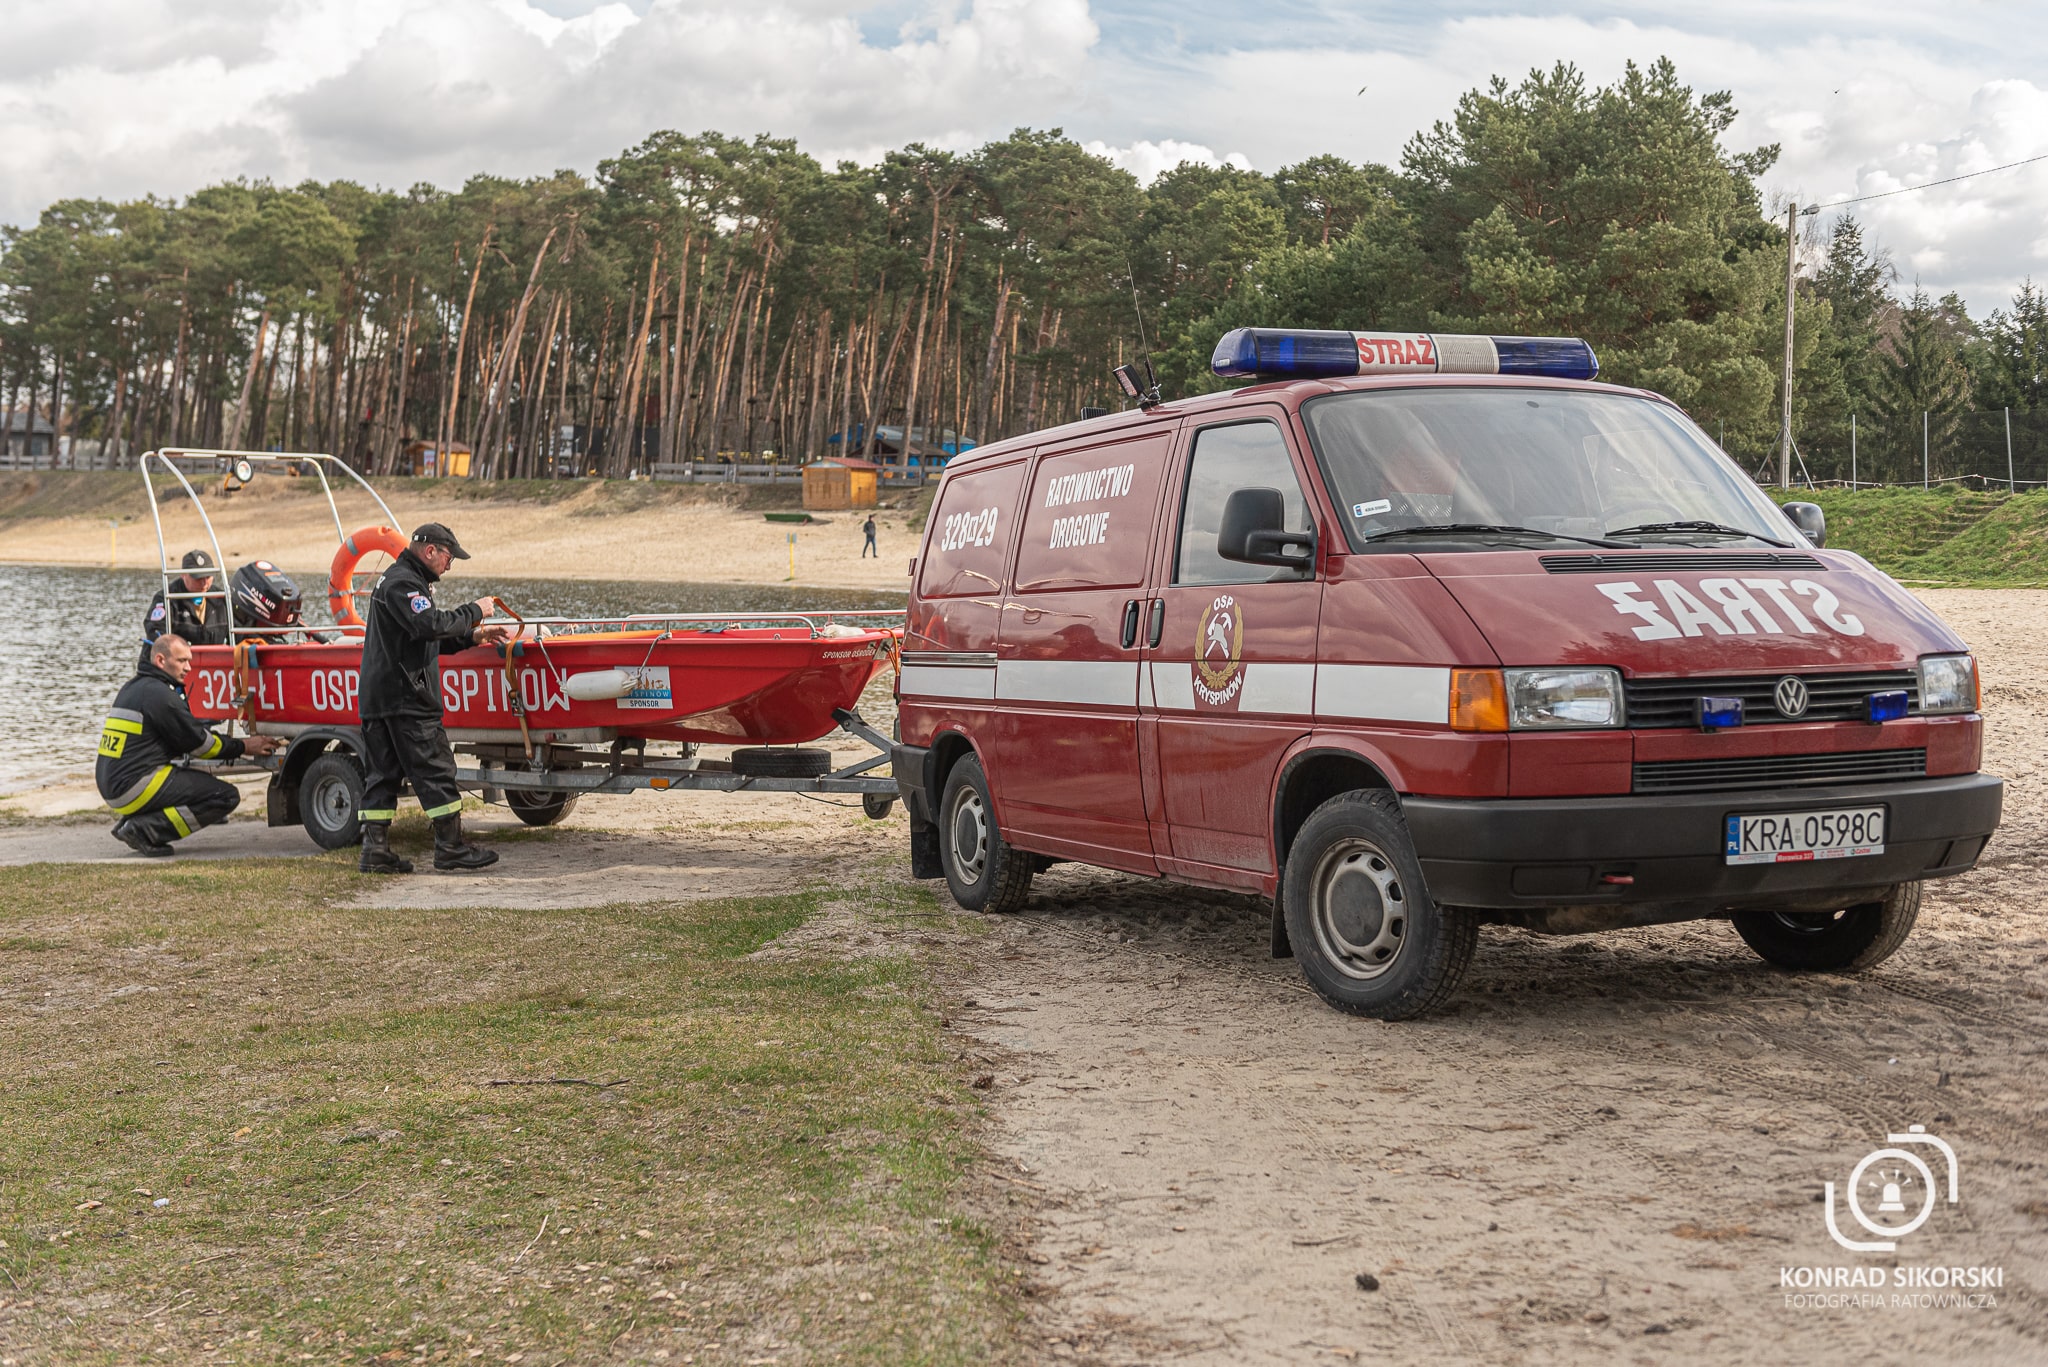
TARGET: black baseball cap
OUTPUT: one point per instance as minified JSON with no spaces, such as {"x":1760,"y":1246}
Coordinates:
{"x":197,"y":560}
{"x":434,"y":534}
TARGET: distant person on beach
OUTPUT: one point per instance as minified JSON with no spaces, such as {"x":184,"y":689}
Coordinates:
{"x":147,"y":736}
{"x":201,"y":621}
{"x":403,"y":735}
{"x":867,"y":529}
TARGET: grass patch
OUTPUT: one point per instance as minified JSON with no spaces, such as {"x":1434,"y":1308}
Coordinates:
{"x":306,"y":1086}
{"x":1947,"y":535}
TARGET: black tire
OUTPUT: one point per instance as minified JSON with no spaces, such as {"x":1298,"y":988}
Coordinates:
{"x":761,"y":761}
{"x":1368,"y":936}
{"x":540,"y":808}
{"x":982,"y":872}
{"x":331,"y":800}
{"x":877,"y":805}
{"x":1845,"y":941}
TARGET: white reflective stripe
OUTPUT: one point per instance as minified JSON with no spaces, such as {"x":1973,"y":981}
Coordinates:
{"x":1384,"y":692}
{"x":1287,"y":689}
{"x":949,"y":681}
{"x":1145,"y":696}
{"x":1173,"y":686}
{"x":1099,"y":683}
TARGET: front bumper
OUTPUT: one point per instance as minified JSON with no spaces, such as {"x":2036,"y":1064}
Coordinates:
{"x":1559,"y":852}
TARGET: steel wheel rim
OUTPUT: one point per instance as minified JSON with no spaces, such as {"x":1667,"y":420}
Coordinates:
{"x":968,"y":827}
{"x":1359,"y":910}
{"x":332,"y":804}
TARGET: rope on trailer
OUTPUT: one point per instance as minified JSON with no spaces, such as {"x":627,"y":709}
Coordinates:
{"x":512,"y":698}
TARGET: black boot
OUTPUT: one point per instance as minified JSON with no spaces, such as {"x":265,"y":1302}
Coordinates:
{"x":377,"y":856}
{"x":126,"y":831}
{"x":451,"y":851}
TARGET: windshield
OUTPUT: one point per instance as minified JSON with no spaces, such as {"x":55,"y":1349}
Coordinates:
{"x":1573,"y":464}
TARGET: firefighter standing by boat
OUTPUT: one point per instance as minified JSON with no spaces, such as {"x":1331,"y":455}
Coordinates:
{"x":403,"y":735}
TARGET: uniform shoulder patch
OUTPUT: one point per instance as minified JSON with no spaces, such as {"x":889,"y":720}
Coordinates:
{"x":156,"y":613}
{"x":420,"y":602}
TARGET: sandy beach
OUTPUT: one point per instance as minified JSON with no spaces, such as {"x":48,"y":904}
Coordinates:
{"x":615,"y":530}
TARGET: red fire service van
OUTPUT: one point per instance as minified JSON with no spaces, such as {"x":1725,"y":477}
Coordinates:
{"x":1421,"y":632}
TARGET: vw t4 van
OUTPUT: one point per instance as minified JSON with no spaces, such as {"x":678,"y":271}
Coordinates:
{"x":1420,"y":633}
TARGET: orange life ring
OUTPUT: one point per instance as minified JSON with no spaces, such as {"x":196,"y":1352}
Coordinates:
{"x":341,"y":575}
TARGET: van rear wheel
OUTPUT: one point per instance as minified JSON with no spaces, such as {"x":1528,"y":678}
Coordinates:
{"x":982,"y":871}
{"x":1365,"y":931}
{"x":1845,"y":941}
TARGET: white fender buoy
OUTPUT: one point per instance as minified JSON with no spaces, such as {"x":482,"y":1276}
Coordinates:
{"x":601,"y":685}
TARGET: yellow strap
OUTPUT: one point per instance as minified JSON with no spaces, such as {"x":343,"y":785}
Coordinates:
{"x":156,"y":782}
{"x":211,"y":748}
{"x":178,"y":823}
{"x":133,"y":728}
{"x":380,"y":814}
{"x":449,"y":810}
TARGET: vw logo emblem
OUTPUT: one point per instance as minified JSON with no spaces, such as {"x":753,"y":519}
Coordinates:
{"x":1790,"y":696}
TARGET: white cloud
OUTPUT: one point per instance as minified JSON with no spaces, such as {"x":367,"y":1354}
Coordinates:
{"x":1148,"y":160}
{"x":124,"y":97}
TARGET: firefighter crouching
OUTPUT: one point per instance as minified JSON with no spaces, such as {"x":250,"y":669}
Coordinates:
{"x":400,"y":704}
{"x":145,"y":738}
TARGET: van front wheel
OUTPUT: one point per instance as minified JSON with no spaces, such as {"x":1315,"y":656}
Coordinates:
{"x":1845,"y":941}
{"x":982,"y":871}
{"x":1368,"y":937}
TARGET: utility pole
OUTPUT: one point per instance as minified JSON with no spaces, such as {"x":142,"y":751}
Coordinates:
{"x":1785,"y":421}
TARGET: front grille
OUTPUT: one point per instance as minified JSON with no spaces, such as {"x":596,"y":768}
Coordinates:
{"x":1831,"y":697}
{"x":1778,"y":771}
{"x":1702,"y":562}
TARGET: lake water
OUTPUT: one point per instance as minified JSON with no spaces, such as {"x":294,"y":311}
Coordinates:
{"x":69,"y":638}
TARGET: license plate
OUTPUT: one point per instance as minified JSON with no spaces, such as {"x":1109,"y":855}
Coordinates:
{"x":1796,"y":837}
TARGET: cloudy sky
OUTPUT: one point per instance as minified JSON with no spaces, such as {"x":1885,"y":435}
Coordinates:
{"x":124,"y":97}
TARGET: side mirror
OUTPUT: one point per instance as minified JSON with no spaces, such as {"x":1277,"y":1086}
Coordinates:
{"x":1810,"y":520}
{"x":1253,"y":532}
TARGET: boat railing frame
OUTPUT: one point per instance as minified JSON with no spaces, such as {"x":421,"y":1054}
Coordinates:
{"x":243,"y":465}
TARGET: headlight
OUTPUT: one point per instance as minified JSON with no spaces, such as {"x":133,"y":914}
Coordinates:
{"x":1948,"y":683}
{"x":1561,"y":699}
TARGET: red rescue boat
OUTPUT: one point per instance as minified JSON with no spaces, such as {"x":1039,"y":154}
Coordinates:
{"x":775,"y":679}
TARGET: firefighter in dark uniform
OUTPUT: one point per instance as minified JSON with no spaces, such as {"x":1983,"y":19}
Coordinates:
{"x":400,"y":704}
{"x":201,"y":621}
{"x":146,"y":737}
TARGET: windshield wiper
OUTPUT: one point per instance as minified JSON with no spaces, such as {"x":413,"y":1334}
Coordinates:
{"x":1492,"y":529}
{"x":1712,"y":528}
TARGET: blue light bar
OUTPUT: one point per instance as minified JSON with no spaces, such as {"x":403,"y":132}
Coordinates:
{"x":1885,"y":706}
{"x":1304,"y":354}
{"x":1718,"y":714}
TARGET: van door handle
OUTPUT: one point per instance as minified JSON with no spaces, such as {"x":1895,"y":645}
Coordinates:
{"x":1130,"y":623}
{"x":1158,"y":623}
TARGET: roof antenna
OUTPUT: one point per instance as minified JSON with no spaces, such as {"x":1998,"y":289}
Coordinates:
{"x":1145,"y":390}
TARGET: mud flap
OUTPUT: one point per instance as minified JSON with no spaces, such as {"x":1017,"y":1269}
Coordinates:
{"x":1283,"y":948}
{"x":280,"y":801}
{"x":924,"y":852}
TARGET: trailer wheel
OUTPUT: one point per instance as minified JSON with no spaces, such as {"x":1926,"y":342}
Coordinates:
{"x":1844,"y":941}
{"x":540,"y":809}
{"x":763,"y":761}
{"x":1368,"y":936}
{"x":330,"y":800}
{"x":982,"y":871}
{"x":877,"y":805}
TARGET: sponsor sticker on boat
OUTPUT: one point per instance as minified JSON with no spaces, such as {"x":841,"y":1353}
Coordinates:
{"x":652,"y":692}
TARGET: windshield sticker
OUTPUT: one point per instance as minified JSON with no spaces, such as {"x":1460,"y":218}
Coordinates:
{"x":1742,"y":611}
{"x":1372,"y":509}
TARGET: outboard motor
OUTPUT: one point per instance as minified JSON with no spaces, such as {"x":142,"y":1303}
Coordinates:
{"x":265,"y":598}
